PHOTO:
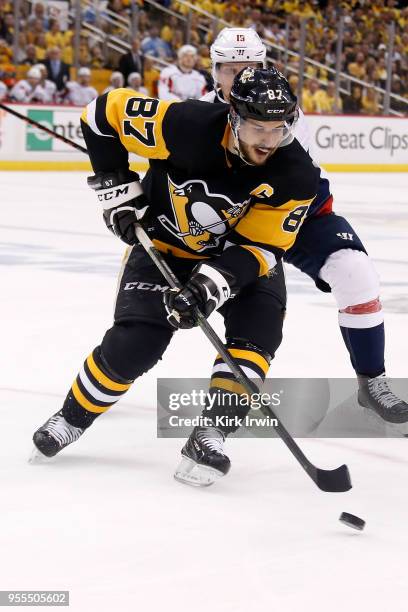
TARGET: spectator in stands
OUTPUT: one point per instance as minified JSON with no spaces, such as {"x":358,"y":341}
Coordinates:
{"x":135,"y":82}
{"x":180,"y":81}
{"x":396,"y":88}
{"x":19,"y":53}
{"x":131,"y":61}
{"x":54,"y":37}
{"x":40,"y":15}
{"x":97,"y":59}
{"x":204,"y":57}
{"x":3,"y":91}
{"x":357,"y":68}
{"x":7,"y":28}
{"x":6,"y":53}
{"x":352,"y":105}
{"x":33,"y":31}
{"x":58,"y":71}
{"x":203,"y":68}
{"x":151,"y":77}
{"x":41,"y":47}
{"x":115,"y":82}
{"x":326,"y":101}
{"x":309,"y":96}
{"x":29,"y":89}
{"x":167,"y":31}
{"x":84,"y":49}
{"x":177,"y":41}
{"x":293,"y":80}
{"x":30,"y":55}
{"x":382,"y":72}
{"x":80,"y":92}
{"x":49,"y":87}
{"x":274,"y":33}
{"x":369,"y":102}
{"x":155,"y":46}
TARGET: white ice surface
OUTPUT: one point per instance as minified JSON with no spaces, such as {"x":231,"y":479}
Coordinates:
{"x":105,"y":520}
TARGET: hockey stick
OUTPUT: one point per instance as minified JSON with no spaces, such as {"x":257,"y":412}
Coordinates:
{"x":337,"y":480}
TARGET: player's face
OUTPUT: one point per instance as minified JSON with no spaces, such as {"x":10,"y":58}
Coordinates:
{"x":187,"y":61}
{"x":259,"y":140}
{"x":33,"y":81}
{"x":228,"y":71}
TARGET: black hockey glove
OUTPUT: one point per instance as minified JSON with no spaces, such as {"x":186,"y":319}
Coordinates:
{"x":207,"y":289}
{"x":123,"y":201}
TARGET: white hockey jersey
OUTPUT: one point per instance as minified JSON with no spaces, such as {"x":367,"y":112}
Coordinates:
{"x":24,"y":92}
{"x":50,"y":91}
{"x":80,"y":95}
{"x":174,"y":84}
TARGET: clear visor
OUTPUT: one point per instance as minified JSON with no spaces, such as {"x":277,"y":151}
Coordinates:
{"x":263,"y":134}
{"x":225,"y":73}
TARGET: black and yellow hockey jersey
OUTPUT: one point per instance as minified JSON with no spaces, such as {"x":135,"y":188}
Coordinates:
{"x":206,"y":202}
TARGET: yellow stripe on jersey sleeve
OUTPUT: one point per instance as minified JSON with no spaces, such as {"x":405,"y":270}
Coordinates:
{"x":138,"y":120}
{"x":276,"y":227}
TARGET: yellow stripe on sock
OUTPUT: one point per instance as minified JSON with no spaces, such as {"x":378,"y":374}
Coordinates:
{"x":103,"y":379}
{"x":81,"y":399}
{"x":228,"y":385}
{"x":249,"y":356}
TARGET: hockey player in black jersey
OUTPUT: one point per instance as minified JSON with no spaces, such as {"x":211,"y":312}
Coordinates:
{"x":328,"y":249}
{"x":222,"y":200}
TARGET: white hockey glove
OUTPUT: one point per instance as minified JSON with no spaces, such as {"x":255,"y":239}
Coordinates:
{"x":123,"y":201}
{"x":206,"y":289}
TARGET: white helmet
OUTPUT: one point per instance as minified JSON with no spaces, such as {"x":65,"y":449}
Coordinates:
{"x":237,"y":45}
{"x":186,"y":49}
{"x":34,"y":73}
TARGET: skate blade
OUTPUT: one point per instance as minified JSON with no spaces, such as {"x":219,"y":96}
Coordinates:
{"x":191,"y":473}
{"x":37,"y":457}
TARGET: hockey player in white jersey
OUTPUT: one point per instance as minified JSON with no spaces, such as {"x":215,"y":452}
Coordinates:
{"x":327,"y":249}
{"x":29,"y":89}
{"x":180,"y":81}
{"x":49,"y":87}
{"x":81,"y":92}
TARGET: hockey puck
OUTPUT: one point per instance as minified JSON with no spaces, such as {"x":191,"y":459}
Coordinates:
{"x":352,"y":521}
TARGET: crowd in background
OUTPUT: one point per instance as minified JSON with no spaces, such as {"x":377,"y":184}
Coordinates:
{"x":41,"y":69}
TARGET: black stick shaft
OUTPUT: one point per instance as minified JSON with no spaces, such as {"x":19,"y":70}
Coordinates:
{"x":43,"y":128}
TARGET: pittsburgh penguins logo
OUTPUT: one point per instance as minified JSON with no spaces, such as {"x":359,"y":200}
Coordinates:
{"x":201,"y":218}
{"x":247,"y":75}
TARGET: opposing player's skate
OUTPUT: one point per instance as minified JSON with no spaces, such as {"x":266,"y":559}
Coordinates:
{"x":52,"y":437}
{"x":375,"y":394}
{"x":203,"y":458}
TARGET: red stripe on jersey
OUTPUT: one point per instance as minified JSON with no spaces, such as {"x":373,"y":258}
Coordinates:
{"x":327,"y":207}
{"x":367,"y":308}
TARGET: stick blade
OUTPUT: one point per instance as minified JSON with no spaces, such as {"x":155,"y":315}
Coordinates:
{"x":334,"y":481}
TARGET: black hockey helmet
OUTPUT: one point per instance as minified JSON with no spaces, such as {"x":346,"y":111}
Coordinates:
{"x":263,"y":94}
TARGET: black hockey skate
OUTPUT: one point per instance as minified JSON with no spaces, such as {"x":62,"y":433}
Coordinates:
{"x":203,"y":459}
{"x":53,"y":436}
{"x":375,"y":394}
